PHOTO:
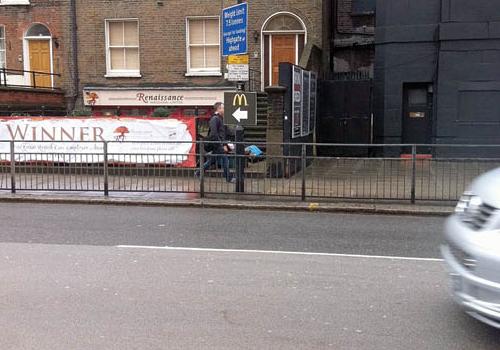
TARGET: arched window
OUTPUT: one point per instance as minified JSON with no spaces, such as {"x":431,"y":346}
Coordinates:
{"x":283,"y":22}
{"x":284,"y":36}
{"x":38,"y":30}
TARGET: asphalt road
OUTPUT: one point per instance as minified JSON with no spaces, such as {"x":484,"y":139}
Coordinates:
{"x":65,"y":283}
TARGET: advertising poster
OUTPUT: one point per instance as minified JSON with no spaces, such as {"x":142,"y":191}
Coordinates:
{"x":297,"y":102}
{"x":80,"y":140}
{"x":305,"y":103}
{"x":313,"y":101}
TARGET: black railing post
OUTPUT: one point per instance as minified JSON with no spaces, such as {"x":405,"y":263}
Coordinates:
{"x":4,"y":75}
{"x":303,"y":159}
{"x":33,"y":79}
{"x":413,"y":173}
{"x":106,"y":170}
{"x":240,"y":158}
{"x":201,"y":168}
{"x":12,"y":167}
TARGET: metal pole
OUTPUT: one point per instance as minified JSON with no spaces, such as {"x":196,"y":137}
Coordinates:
{"x":202,"y":170}
{"x":303,"y":169}
{"x":106,"y":170}
{"x":413,"y":172}
{"x":240,"y":159}
{"x":33,"y":82}
{"x":12,"y":167}
{"x":4,"y":73}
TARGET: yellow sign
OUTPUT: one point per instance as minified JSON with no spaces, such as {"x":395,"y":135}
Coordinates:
{"x":240,"y":100}
{"x":237,"y":59}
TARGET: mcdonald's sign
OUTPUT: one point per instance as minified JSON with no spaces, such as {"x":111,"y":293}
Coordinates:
{"x":240,"y":108}
{"x":240,"y":100}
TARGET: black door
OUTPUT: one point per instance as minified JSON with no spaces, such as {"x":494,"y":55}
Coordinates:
{"x":417,"y":114}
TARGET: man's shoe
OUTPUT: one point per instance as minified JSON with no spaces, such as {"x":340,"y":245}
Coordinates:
{"x":232,"y":181}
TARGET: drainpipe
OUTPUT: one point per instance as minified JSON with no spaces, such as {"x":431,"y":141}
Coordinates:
{"x":74,"y":49}
{"x":333,"y":31}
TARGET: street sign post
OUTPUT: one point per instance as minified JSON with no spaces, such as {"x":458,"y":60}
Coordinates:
{"x":234,"y":30}
{"x":241,"y":108}
{"x":238,"y":68}
{"x":238,"y":72}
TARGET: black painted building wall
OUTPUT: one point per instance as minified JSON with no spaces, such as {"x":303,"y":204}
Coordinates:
{"x":437,"y":71}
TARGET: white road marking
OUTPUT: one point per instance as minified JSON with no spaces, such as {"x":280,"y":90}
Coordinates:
{"x":278,"y":252}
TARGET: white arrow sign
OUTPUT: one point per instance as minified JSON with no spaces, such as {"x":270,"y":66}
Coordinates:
{"x":240,"y":115}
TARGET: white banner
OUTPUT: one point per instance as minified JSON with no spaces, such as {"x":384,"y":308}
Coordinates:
{"x":80,"y":140}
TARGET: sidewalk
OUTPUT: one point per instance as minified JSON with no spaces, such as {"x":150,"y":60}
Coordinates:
{"x":192,"y":200}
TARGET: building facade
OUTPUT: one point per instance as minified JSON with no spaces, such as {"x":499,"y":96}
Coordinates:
{"x":36,"y":48}
{"x":437,"y":72}
{"x":129,"y":57}
{"x":137,"y":55}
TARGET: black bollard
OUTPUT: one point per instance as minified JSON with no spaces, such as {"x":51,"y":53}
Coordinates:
{"x":240,"y":159}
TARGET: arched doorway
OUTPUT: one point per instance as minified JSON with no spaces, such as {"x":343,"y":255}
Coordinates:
{"x":284,"y":36}
{"x":38,"y":55}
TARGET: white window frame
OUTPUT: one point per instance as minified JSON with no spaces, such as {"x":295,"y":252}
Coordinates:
{"x":216,"y":72}
{"x":121,"y":73}
{"x":4,"y":51}
{"x":14,"y":2}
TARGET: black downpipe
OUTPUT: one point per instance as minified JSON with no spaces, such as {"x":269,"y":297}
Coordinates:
{"x":333,"y":31}
{"x":74,"y":49}
{"x":437,"y":38}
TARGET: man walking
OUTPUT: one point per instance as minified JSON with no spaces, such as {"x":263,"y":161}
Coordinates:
{"x":217,"y":134}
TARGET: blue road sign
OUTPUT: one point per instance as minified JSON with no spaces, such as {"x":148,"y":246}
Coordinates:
{"x":234,"y":30}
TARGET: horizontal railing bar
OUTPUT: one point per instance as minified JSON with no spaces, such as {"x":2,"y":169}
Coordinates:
{"x":264,"y":144}
{"x":7,"y":70}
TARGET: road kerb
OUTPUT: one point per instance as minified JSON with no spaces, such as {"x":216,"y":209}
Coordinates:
{"x":359,"y":208}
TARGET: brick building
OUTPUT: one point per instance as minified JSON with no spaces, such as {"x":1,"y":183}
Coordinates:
{"x":352,"y":26}
{"x":138,"y":55}
{"x":35,"y":35}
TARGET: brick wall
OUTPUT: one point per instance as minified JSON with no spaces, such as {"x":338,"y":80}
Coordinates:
{"x":162,"y":36}
{"x":54,"y":14}
{"x":349,"y":22}
{"x":31,"y":97}
{"x":353,"y":39}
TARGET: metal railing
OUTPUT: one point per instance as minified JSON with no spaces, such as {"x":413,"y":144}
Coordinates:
{"x":35,"y":78}
{"x":254,"y":81}
{"x":386,"y":172}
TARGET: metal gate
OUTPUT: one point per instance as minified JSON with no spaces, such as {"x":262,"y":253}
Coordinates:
{"x":345,"y":114}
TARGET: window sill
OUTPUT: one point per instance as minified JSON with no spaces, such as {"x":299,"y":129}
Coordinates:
{"x":18,"y":2}
{"x":123,"y":75}
{"x":203,"y":74}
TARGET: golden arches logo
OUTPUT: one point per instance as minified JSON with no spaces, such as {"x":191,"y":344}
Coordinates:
{"x":240,"y":100}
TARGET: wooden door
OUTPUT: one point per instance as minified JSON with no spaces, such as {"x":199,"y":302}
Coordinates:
{"x":39,"y":51}
{"x":283,"y":50}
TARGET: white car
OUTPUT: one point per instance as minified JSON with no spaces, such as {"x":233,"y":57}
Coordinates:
{"x":472,"y":249}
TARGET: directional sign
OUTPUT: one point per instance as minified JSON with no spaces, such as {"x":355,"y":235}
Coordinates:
{"x":234,"y":30}
{"x":240,"y":108}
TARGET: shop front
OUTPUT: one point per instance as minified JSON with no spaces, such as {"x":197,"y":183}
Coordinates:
{"x":178,"y":102}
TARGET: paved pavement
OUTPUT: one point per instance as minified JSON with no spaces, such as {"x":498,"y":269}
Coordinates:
{"x":66,"y":284}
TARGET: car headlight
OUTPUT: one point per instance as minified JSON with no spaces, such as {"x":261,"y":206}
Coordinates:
{"x":469,"y":202}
